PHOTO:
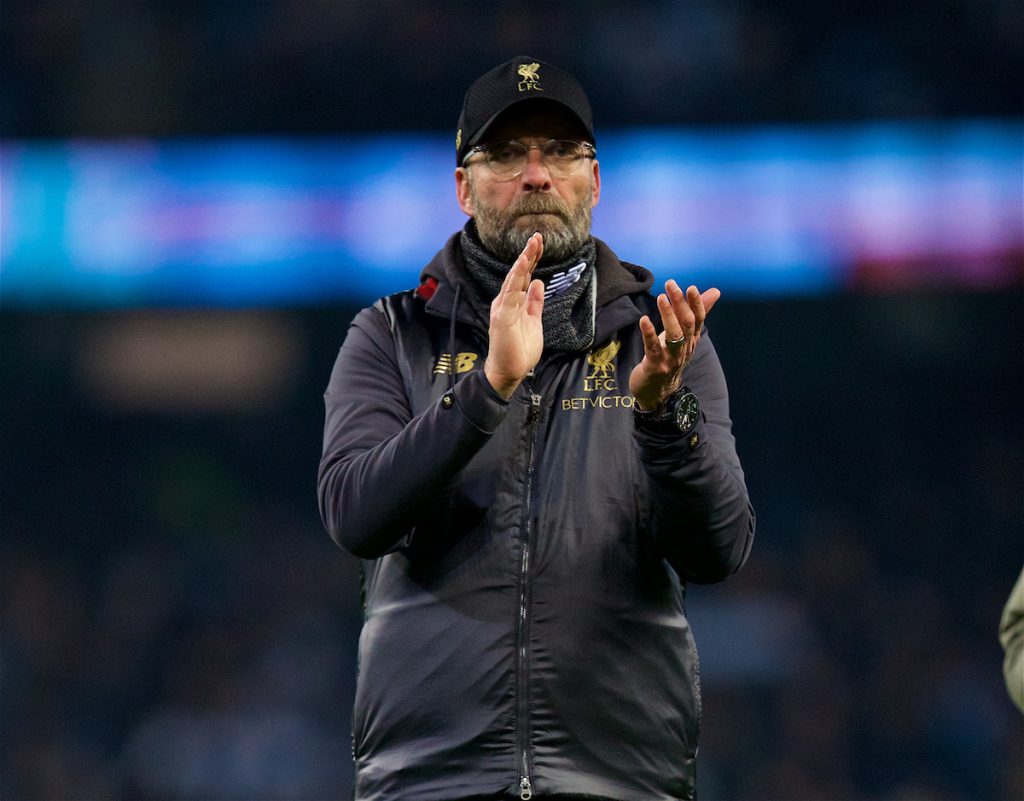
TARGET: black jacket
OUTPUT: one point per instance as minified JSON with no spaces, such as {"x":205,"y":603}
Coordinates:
{"x":524,"y":619}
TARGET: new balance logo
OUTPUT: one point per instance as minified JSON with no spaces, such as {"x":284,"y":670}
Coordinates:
{"x":562,"y":281}
{"x":463,"y":363}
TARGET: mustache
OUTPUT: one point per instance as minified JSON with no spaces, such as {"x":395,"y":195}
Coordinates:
{"x":540,"y":204}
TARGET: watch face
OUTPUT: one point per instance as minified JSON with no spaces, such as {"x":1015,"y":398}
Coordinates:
{"x":687,"y":412}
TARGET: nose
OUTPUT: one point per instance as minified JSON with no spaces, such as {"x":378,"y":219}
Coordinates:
{"x":535,"y":177}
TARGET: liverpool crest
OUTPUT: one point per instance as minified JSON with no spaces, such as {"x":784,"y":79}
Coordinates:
{"x":530,"y":78}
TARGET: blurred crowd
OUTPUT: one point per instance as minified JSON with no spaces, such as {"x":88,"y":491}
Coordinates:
{"x":176,"y":625}
{"x":164,"y":67}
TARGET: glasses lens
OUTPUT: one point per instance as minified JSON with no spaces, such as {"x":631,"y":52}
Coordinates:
{"x":506,"y":158}
{"x":560,"y":156}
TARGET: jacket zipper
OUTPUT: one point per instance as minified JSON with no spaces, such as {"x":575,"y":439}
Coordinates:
{"x":523,"y":618}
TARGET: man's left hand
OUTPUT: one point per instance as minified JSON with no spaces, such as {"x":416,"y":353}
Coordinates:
{"x":660,"y":372}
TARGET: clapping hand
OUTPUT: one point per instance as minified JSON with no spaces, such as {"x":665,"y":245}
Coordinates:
{"x":660,"y":372}
{"x":515,"y":333}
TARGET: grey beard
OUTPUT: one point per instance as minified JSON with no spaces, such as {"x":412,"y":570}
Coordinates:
{"x":563,"y":237}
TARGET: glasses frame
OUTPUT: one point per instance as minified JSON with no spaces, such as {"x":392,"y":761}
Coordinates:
{"x":590,"y":152}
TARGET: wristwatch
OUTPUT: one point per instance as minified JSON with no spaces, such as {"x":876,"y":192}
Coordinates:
{"x":678,"y":414}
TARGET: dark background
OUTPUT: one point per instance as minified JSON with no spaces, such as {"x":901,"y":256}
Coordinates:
{"x":177,"y":625}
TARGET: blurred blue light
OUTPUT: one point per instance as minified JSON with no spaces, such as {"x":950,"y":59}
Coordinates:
{"x":255,"y":222}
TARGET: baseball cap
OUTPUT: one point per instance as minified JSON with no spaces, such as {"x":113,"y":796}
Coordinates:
{"x":519,"y":80}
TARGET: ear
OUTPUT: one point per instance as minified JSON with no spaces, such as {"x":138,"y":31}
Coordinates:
{"x":462,"y":193}
{"x":595,"y":184}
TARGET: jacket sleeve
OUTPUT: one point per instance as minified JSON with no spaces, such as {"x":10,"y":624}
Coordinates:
{"x":381,"y":464}
{"x":1011,"y":636}
{"x":701,"y":514}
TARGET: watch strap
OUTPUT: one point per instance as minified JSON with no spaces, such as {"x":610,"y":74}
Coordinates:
{"x":663,"y":418}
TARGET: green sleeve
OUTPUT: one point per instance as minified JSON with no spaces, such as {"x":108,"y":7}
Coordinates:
{"x":1011,"y":635}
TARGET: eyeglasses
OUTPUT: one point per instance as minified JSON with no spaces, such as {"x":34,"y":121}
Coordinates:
{"x":508,"y":159}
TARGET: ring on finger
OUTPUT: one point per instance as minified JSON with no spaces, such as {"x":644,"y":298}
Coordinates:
{"x":676,"y":344}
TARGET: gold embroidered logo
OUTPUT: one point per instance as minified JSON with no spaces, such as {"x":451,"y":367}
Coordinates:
{"x":601,"y":378}
{"x":603,"y":362}
{"x":602,"y":359}
{"x":458,"y":139}
{"x":463,"y":363}
{"x":531,"y":80}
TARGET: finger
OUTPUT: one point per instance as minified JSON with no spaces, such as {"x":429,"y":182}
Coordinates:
{"x":696,"y":304}
{"x":528,"y":259}
{"x":527,"y":256}
{"x":710,"y":298}
{"x":701,"y":304}
{"x":669,"y":321}
{"x":517,"y":281}
{"x":535,"y":298}
{"x":652,"y":343}
{"x":681,"y":307}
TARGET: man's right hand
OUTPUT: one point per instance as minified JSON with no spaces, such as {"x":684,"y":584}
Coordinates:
{"x":516,"y":334}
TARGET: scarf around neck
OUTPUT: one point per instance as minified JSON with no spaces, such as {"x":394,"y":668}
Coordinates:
{"x":570,"y":290}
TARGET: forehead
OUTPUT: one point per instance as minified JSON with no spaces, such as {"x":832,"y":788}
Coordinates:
{"x":537,"y":118}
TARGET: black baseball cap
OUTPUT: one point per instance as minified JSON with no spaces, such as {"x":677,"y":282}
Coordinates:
{"x":523,"y":79}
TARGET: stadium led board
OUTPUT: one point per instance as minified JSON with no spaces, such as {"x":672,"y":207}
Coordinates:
{"x":293,"y":221}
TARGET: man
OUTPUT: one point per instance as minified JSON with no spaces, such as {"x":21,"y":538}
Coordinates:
{"x":527,"y":525}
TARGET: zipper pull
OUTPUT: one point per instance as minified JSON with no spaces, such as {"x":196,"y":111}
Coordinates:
{"x":525,"y":789}
{"x":535,"y":408}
